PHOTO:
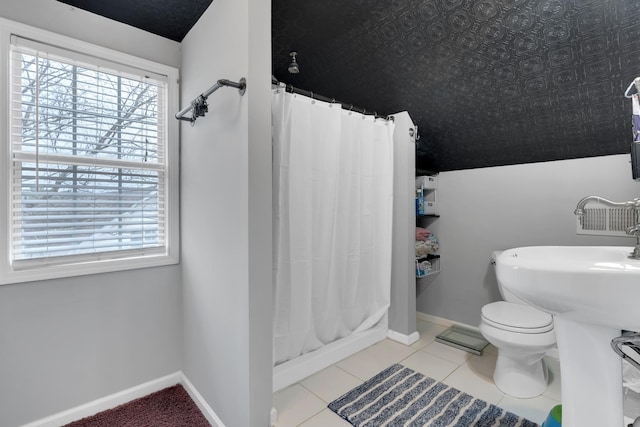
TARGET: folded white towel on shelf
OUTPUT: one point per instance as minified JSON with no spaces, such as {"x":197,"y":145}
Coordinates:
{"x":427,"y":247}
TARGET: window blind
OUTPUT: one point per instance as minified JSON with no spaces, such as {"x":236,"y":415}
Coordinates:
{"x":88,"y":145}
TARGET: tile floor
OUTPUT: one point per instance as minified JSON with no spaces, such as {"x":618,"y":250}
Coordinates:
{"x":304,"y":404}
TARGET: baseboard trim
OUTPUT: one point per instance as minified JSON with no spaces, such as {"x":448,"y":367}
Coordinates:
{"x":109,"y":402}
{"x":294,"y":370}
{"x":443,"y":322}
{"x":403,"y":338}
{"x":202,"y":404}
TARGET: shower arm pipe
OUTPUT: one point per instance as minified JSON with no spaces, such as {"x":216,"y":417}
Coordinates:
{"x":312,"y":95}
{"x":199,"y":104}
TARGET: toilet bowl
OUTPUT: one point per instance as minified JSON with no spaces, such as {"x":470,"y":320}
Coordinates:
{"x":522,"y":334}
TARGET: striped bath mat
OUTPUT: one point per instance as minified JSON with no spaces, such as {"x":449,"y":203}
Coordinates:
{"x":399,"y":396}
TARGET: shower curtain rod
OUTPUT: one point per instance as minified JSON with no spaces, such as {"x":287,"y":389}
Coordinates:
{"x":199,"y":105}
{"x":292,"y":89}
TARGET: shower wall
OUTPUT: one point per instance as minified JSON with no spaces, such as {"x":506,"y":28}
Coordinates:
{"x":226,"y":214}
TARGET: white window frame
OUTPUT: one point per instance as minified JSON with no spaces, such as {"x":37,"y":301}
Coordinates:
{"x":79,"y":266}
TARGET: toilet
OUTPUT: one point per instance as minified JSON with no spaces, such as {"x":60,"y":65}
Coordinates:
{"x":522,"y":335}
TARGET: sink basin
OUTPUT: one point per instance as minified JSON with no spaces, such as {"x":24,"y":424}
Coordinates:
{"x":593,"y":292}
{"x":595,"y":284}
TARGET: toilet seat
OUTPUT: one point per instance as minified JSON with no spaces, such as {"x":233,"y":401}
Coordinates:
{"x":517,"y":318}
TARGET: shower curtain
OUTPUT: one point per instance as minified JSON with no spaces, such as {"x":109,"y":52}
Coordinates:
{"x":333,"y":196}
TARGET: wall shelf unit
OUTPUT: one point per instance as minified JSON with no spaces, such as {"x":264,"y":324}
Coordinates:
{"x":426,"y":211}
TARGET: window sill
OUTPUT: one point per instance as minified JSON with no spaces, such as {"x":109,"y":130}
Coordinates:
{"x":59,"y":271}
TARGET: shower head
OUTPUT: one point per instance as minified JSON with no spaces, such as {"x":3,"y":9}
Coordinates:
{"x":294,"y":68}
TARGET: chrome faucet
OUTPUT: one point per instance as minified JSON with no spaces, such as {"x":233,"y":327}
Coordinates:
{"x":634,"y":204}
{"x":631,"y":204}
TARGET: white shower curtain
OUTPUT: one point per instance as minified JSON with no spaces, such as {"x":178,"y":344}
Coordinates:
{"x":333,"y":196}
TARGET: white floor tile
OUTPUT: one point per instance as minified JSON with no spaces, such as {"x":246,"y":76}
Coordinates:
{"x":428,"y":332}
{"x":304,"y":404}
{"x":374,"y":359}
{"x":296,"y":404}
{"x":430,"y":365}
{"x":326,"y":418}
{"x":465,"y":379}
{"x":490,"y":349}
{"x":535,"y":409}
{"x":330,"y":383}
{"x":447,"y":352}
{"x":483,"y":366}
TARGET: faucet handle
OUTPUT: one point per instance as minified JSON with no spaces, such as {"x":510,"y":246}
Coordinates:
{"x":634,"y":230}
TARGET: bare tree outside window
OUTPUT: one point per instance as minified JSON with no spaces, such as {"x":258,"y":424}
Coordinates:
{"x":88,"y":159}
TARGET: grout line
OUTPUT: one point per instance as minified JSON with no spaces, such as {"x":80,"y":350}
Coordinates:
{"x":307,"y":419}
{"x":347,"y":372}
{"x":311,"y":391}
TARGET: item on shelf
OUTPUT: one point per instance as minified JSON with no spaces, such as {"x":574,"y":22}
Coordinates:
{"x":427,"y":247}
{"x":426,"y":266}
{"x":422,"y":233}
{"x":430,"y":207}
{"x":419,"y":202}
{"x":427,"y":181}
{"x":423,"y":267}
{"x":426,"y":187}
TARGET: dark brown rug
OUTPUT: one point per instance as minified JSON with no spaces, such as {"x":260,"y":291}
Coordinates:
{"x":171,"y":407}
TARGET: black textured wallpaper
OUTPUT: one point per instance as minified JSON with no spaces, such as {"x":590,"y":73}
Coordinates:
{"x":488,"y":82}
{"x":171,"y":19}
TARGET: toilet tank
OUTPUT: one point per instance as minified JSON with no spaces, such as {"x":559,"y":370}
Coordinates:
{"x":506,"y":295}
{"x":509,"y":296}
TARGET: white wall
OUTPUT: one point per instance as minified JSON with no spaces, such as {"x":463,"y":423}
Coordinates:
{"x":69,"y":341}
{"x":226,"y":213}
{"x":402,"y":311}
{"x":69,"y":21}
{"x":503,"y":207}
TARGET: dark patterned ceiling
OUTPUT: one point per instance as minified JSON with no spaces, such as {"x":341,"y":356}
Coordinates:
{"x":488,"y":82}
{"x":167,"y":18}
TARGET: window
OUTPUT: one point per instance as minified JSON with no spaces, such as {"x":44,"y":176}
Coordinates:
{"x":92,"y":179}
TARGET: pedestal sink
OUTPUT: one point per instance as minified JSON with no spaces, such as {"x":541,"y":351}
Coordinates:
{"x":593,"y":292}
